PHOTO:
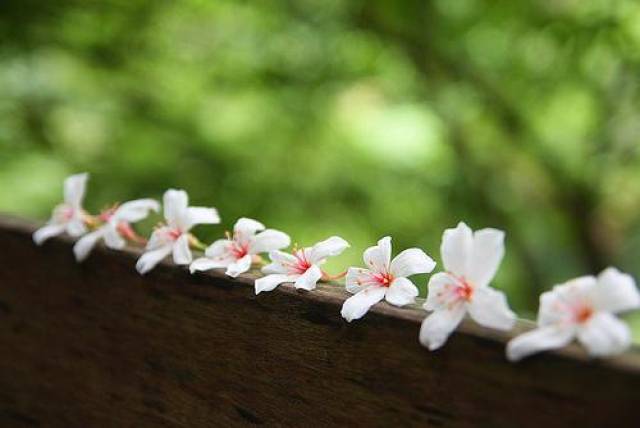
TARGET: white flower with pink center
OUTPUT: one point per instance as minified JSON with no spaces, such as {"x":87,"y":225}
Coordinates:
{"x":582,"y":308}
{"x":302,"y":267}
{"x":174,"y":237}
{"x":384,"y":278}
{"x":68,"y":216}
{"x":471,"y":260}
{"x":116,"y":227}
{"x":239,"y":251}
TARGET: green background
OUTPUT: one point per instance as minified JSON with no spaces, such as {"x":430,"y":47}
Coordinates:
{"x":348,"y":117}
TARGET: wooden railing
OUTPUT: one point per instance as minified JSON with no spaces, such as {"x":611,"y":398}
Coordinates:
{"x":96,"y":344}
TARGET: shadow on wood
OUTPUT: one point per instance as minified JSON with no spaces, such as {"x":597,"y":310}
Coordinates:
{"x":97,"y":344}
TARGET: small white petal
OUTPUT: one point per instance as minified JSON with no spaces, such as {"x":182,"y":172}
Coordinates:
{"x":280,"y":262}
{"x":486,"y":254}
{"x":556,"y":305}
{"x":538,"y":340}
{"x":204,"y":263}
{"x":328,"y":248}
{"x":202,"y":215}
{"x":489,"y":308}
{"x":441,"y":291}
{"x":357,"y":305}
{"x":456,"y":248}
{"x":76,"y":227}
{"x":357,"y":279}
{"x":239,"y":266}
{"x":219,"y":249}
{"x":112,"y":238}
{"x":378,"y":257}
{"x":151,"y":258}
{"x":309,"y":279}
{"x":175,"y":207}
{"x":411,"y":262}
{"x":83,"y":247}
{"x":134,"y":211}
{"x":604,"y":335}
{"x":74,"y":189}
{"x":270,"y":282}
{"x":616,"y":292}
{"x":247,"y":226}
{"x":437,"y":327}
{"x":269,"y":240}
{"x":47,"y":232}
{"x":181,"y":250}
{"x":401,"y":292}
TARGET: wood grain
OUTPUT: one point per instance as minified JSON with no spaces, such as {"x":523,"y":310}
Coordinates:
{"x":97,"y":345}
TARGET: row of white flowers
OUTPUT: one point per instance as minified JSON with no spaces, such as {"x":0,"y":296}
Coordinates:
{"x":582,"y":308}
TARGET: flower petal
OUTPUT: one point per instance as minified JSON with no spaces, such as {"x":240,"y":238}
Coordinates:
{"x":83,"y":247}
{"x":411,"y":262}
{"x":604,"y":334}
{"x":378,"y":257}
{"x":280,"y":262}
{"x":357,"y":305}
{"x":437,"y":327}
{"x":240,"y":266}
{"x":269,"y":240}
{"x":46,"y":232}
{"x":441,"y":291}
{"x":538,"y":340}
{"x":205,"y":263}
{"x":112,"y":238}
{"x":219,"y":249}
{"x":309,"y":279}
{"x":357,"y":279}
{"x":489,"y":308}
{"x":76,"y":227}
{"x":74,"y":188}
{"x":556,"y":305}
{"x":270,"y":282}
{"x":615,"y":292}
{"x":486,"y":254}
{"x":456,"y":248}
{"x":134,"y":211}
{"x":401,"y":292}
{"x":327,"y":248}
{"x":151,"y":258}
{"x":181,"y":251}
{"x":247,"y":226}
{"x":175,"y":207}
{"x":202,"y":215}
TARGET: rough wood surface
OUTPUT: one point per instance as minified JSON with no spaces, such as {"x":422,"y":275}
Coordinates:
{"x":98,"y":345}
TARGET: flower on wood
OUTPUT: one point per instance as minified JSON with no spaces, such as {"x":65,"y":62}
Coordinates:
{"x":471,"y":260}
{"x":384,"y":278}
{"x":240,"y":250}
{"x":174,"y":237}
{"x":116,"y":228}
{"x":302,"y":267}
{"x":582,"y":308}
{"x":69,"y":216}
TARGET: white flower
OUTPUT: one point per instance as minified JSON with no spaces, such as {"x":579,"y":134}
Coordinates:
{"x":384,"y":278}
{"x":471,"y":261}
{"x":174,"y":237}
{"x":69,"y":215}
{"x":582,"y":308}
{"x":237,"y":252}
{"x":302,"y":267}
{"x":116,"y":227}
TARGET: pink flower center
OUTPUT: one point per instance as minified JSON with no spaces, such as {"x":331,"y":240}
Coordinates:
{"x":68,"y":212}
{"x":239,"y":250}
{"x":174,"y":234}
{"x":583,"y":313}
{"x":302,"y":263}
{"x":384,"y":279}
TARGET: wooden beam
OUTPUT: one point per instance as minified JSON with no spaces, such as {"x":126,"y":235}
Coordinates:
{"x":97,"y":344}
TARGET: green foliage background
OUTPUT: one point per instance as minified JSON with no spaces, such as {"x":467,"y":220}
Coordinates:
{"x":349,"y":117}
